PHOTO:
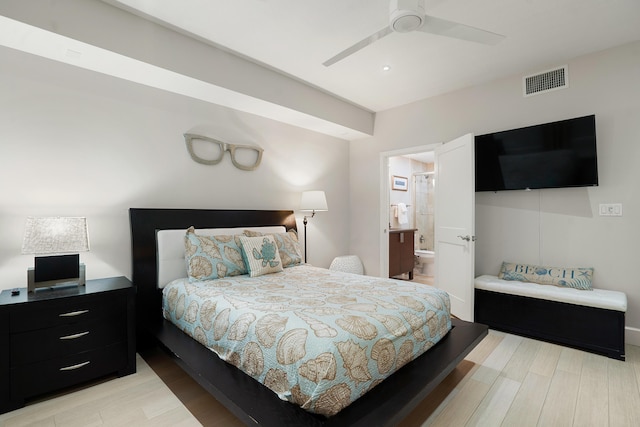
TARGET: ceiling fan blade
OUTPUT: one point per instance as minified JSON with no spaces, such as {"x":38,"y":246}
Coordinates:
{"x":356,"y":47}
{"x":456,"y":30}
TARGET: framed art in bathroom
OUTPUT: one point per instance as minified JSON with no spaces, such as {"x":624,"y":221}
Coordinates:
{"x":400,"y":183}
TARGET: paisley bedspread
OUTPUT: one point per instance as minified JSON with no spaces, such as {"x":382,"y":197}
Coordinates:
{"x":316,"y":337}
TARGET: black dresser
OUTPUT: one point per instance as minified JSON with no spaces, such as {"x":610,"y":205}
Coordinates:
{"x":57,"y":338}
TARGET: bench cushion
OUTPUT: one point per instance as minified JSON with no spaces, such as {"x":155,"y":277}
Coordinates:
{"x":599,"y":298}
{"x":579,"y":278}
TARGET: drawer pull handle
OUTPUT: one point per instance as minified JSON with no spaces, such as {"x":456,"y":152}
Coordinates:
{"x":73,"y":313}
{"x":73,"y":367}
{"x":74,"y":336}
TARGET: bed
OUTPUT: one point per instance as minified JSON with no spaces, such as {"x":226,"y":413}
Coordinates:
{"x":385,"y":404}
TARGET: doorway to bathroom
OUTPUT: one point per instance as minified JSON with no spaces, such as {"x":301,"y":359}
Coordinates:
{"x":412,"y":208}
{"x":454,"y":218}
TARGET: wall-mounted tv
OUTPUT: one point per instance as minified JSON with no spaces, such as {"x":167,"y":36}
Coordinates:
{"x":551,"y":155}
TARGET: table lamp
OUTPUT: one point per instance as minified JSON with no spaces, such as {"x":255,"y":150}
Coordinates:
{"x":61,"y":238}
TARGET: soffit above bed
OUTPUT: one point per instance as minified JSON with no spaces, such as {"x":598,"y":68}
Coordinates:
{"x":81,"y":33}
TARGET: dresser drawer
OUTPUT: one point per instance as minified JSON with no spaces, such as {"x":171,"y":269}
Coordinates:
{"x":63,"y":340}
{"x":47,"y":314}
{"x":38,"y":378}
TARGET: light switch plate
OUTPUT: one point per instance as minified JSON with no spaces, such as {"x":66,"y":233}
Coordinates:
{"x":610,"y":209}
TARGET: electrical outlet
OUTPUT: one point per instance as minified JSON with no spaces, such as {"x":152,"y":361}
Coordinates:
{"x":610,"y":209}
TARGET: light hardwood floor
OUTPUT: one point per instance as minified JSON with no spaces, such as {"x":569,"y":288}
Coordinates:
{"x":517,"y":381}
{"x":427,"y":280}
{"x":506,"y":380}
{"x":140,"y":399}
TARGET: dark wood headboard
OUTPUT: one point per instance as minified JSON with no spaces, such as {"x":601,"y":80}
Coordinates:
{"x":145,"y":222}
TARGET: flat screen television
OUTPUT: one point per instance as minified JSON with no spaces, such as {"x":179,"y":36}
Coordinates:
{"x":551,"y":155}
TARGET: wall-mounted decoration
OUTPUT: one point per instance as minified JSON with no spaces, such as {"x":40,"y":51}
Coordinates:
{"x":400,"y":183}
{"x":211,"y":151}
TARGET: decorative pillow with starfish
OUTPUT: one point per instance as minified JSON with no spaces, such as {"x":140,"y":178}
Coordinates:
{"x":261,"y":255}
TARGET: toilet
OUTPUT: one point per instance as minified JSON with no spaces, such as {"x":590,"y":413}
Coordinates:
{"x":425,"y":261}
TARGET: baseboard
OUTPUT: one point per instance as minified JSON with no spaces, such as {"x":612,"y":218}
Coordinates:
{"x":632,"y":335}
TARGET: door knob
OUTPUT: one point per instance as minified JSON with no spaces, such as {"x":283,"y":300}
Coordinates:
{"x":468,"y":238}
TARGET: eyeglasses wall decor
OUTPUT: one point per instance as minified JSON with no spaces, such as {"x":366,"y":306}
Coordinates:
{"x":210,"y":151}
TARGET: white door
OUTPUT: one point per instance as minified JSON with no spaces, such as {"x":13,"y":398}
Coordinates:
{"x":455,"y":223}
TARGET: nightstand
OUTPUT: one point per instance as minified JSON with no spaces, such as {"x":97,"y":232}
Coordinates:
{"x":56,"y":338}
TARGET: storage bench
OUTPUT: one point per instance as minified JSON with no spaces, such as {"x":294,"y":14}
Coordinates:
{"x":588,"y":320}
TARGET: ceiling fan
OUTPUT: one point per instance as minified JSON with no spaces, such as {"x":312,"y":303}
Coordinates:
{"x":408,"y":15}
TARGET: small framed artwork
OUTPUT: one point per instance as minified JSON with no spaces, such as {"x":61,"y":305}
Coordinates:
{"x":400,"y":183}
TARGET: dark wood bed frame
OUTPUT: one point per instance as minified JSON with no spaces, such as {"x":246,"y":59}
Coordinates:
{"x":254,"y":404}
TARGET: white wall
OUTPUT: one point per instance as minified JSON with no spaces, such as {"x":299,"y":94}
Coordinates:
{"x":74,"y":142}
{"x":553,"y":227}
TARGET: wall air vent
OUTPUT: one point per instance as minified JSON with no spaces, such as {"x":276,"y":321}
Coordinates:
{"x":546,"y":81}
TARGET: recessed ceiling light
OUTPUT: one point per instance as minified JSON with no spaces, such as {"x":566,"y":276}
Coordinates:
{"x":386,"y":67}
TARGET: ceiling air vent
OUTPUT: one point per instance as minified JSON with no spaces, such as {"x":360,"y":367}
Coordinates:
{"x":546,"y":81}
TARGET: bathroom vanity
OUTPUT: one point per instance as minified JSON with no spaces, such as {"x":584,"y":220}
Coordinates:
{"x":401,"y":256}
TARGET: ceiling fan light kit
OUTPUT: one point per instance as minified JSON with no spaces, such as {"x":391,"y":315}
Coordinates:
{"x":406,"y":15}
{"x":409,"y":15}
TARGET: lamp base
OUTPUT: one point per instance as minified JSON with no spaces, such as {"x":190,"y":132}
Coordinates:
{"x":32,"y":285}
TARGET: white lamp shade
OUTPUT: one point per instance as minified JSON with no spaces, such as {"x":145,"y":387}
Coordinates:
{"x":55,"y":235}
{"x":313,"y":201}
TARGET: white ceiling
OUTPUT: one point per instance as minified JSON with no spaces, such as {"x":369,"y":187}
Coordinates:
{"x":296,"y":36}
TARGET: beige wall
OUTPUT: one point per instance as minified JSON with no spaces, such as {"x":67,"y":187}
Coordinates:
{"x":74,"y":142}
{"x":556,"y":226}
